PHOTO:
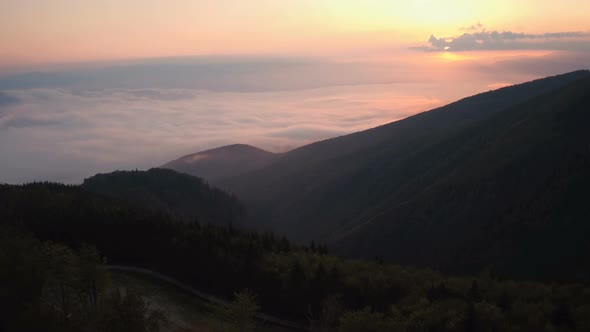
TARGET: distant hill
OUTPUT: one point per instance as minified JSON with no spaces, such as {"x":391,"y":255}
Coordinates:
{"x":180,"y":195}
{"x":464,"y":186}
{"x":226,"y":161}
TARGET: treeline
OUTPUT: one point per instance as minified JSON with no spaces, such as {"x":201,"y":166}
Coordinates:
{"x":180,"y":195}
{"x":303,"y":283}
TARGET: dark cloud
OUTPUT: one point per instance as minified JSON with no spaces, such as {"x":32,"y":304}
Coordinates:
{"x":163,"y":95}
{"x":6,"y":99}
{"x":152,"y":94}
{"x":27,"y":123}
{"x":508,"y":40}
{"x":219,"y":74}
{"x":535,"y":66}
{"x":210,"y":73}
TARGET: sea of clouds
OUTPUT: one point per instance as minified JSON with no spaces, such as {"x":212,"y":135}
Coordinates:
{"x":68,"y":124}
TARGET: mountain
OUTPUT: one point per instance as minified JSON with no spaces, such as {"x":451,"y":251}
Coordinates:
{"x":180,"y":195}
{"x":510,"y":192}
{"x":461,"y":187}
{"x":230,"y":160}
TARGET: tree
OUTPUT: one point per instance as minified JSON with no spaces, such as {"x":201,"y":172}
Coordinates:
{"x":129,"y":313}
{"x":297,"y":276}
{"x":59,"y":292}
{"x":93,"y":276}
{"x":363,"y":320}
{"x":21,"y":278}
{"x":241,"y":312}
{"x":330,"y":313}
{"x":474,"y":292}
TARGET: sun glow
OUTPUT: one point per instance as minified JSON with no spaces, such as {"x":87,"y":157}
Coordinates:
{"x":453,"y":57}
{"x":71,"y":30}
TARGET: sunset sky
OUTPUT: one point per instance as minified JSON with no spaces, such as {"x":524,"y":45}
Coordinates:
{"x":89,"y":86}
{"x":58,"y":31}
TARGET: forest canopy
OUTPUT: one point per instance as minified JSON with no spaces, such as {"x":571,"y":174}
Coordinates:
{"x":301,"y":283}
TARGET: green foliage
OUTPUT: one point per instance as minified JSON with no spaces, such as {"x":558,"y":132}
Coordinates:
{"x":241,"y":312}
{"x":93,"y":276}
{"x":183,"y":196}
{"x":21,"y":277}
{"x":365,"y":320}
{"x":290,"y":281}
{"x":46,"y":286}
{"x":129,"y":313}
{"x":330,"y":313}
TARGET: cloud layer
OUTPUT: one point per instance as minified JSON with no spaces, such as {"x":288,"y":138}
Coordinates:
{"x":69,"y":124}
{"x":220,"y":74}
{"x":508,"y":40}
{"x":67,"y":134}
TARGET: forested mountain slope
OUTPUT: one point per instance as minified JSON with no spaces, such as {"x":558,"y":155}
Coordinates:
{"x":510,"y":192}
{"x":352,"y":190}
{"x":304,"y":284}
{"x":183,"y":196}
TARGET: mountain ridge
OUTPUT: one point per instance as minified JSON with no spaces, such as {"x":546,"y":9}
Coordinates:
{"x":224,"y":161}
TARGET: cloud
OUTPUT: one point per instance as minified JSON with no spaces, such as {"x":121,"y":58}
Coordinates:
{"x":220,"y":74}
{"x":513,"y":68}
{"x":508,"y":40}
{"x":309,"y":131}
{"x":477,"y":26}
{"x":24,"y":123}
{"x":499,"y":85}
{"x":69,"y":134}
{"x":65,"y":132}
{"x":6,"y":100}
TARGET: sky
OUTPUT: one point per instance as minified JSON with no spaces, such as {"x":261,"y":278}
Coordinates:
{"x":93,"y":86}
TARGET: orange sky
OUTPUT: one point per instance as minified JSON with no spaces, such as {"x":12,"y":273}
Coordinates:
{"x":292,"y":72}
{"x":62,"y":31}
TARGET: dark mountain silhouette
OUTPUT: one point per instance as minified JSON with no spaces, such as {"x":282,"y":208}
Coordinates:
{"x":457,"y":188}
{"x":183,"y":196}
{"x":230,"y":160}
{"x":510,"y":192}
